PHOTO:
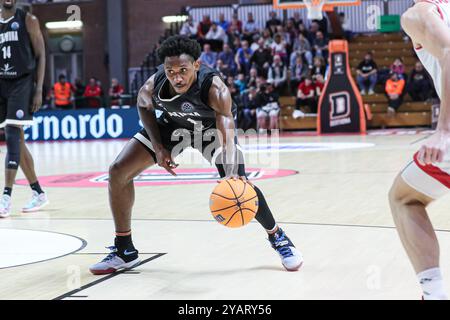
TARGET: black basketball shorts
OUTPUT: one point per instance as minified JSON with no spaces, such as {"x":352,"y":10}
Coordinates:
{"x":16,"y":97}
{"x":176,"y":140}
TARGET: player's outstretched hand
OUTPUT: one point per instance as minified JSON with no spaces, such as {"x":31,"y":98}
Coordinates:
{"x":165,"y":161}
{"x":434,"y":148}
{"x":37,"y":102}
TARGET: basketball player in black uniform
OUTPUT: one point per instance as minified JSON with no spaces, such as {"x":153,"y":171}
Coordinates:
{"x":190,"y":101}
{"x":22,"y":58}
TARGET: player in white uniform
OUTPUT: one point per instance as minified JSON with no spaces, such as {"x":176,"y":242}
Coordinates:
{"x":427,"y":177}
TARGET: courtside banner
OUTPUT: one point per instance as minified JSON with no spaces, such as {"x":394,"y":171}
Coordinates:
{"x":83,"y":124}
{"x":340,"y":105}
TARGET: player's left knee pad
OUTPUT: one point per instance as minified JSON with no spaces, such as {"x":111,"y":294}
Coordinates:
{"x":13,"y":136}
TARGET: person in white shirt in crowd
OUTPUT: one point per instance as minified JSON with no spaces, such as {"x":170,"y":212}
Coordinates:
{"x":189,"y":28}
{"x":216,"y":33}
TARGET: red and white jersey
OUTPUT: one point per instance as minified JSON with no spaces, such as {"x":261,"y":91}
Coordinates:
{"x":430,"y":62}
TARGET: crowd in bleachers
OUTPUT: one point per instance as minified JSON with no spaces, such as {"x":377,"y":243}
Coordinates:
{"x":418,"y":84}
{"x":261,"y":63}
{"x":64,"y":95}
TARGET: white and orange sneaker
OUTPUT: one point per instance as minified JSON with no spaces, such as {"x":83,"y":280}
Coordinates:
{"x":37,"y":202}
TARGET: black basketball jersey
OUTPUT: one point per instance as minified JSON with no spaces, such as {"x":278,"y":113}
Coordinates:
{"x":16,"y":52}
{"x":189,"y":110}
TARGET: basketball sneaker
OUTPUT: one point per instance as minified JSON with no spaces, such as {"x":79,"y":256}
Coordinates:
{"x":37,"y":202}
{"x":115,"y":262}
{"x":5,"y":206}
{"x":291,"y":258}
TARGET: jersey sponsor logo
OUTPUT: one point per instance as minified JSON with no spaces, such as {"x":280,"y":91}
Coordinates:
{"x":6,"y":70}
{"x":183,"y":114}
{"x":20,"y":114}
{"x":15,"y":26}
{"x":187,"y":107}
{"x":155,"y":178}
{"x":10,"y":36}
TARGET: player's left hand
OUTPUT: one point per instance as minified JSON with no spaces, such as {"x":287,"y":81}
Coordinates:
{"x":37,"y":102}
{"x":434,"y":148}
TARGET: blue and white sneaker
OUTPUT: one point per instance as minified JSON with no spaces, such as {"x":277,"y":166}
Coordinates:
{"x":5,"y":206}
{"x":113,"y":263}
{"x":291,"y":258}
{"x":37,"y":202}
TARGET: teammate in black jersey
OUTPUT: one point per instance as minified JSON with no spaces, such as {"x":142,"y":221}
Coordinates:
{"x":22,"y":62}
{"x":189,"y":101}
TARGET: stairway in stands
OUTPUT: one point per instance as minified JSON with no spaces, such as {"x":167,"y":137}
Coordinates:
{"x":385,"y":48}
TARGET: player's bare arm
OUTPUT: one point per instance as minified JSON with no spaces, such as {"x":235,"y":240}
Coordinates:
{"x":426,"y":28}
{"x":220,"y":100}
{"x":148,"y":117}
{"x":37,"y":41}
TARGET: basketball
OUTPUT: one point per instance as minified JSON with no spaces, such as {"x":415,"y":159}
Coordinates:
{"x":233,"y":203}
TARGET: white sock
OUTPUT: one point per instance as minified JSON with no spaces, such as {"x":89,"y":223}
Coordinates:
{"x":432,"y":284}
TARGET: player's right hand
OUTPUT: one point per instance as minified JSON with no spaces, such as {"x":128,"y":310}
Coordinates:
{"x":165,"y":161}
{"x":434,"y":148}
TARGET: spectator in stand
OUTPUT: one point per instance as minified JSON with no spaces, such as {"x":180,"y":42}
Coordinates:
{"x":79,"y":93}
{"x":319,"y":67}
{"x":313,"y":28}
{"x":419,"y":84}
{"x":302,"y":48}
{"x":298,"y":72}
{"x":319,"y":84}
{"x":223,"y":22}
{"x":320,"y":45}
{"x":240,"y":83}
{"x":268,"y":109}
{"x":216,"y":37}
{"x":227,"y":56}
{"x":62,"y":93}
{"x":93,"y":94}
{"x":234,"y":37}
{"x":242,"y":58}
{"x":346,"y":27}
{"x":203,"y":27}
{"x":272,"y":22}
{"x":115,"y":93}
{"x":302,"y":30}
{"x":291,"y":31}
{"x":236,"y":23}
{"x":268,"y":40}
{"x":305,"y":97}
{"x":399,"y":68}
{"x":250,"y":28}
{"x":277,"y":74}
{"x":189,"y":28}
{"x":222,"y":69}
{"x":249,"y":108}
{"x":322,"y":25}
{"x":262,"y":58}
{"x":367,"y":74}
{"x":208,"y":57}
{"x":394,"y":92}
{"x":252,"y":79}
{"x":234,"y":90}
{"x":296,"y":19}
{"x":279,"y":47}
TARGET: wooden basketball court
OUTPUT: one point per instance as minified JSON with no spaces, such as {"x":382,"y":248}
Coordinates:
{"x":332,"y":204}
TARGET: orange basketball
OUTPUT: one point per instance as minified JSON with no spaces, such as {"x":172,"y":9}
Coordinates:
{"x":233,"y":203}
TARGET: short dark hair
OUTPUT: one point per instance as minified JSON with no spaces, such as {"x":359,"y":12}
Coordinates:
{"x":62,"y":76}
{"x":175,"y":46}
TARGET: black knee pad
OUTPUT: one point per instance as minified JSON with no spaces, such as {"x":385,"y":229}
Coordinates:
{"x":13,"y":136}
